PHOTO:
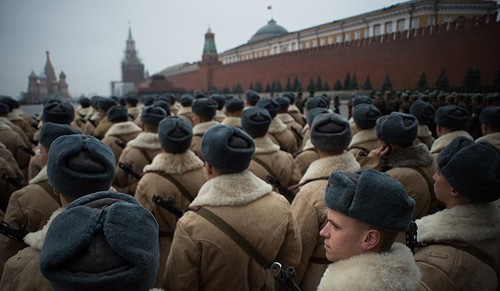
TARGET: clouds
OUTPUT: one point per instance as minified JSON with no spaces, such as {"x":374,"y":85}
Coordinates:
{"x":87,"y":38}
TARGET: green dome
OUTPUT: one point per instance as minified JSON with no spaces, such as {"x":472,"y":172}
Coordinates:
{"x":270,"y":30}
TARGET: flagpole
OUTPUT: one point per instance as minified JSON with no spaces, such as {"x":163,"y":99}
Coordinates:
{"x":271,"y":10}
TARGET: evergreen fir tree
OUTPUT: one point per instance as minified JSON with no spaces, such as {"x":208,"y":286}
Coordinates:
{"x":387,"y":84}
{"x":442,"y":82}
{"x":311,"y":87}
{"x":278,"y":87}
{"x":347,"y":81}
{"x":354,"y":83}
{"x":337,"y":86}
{"x":422,"y":83}
{"x":319,"y":84}
{"x":297,"y":86}
{"x":288,"y":86}
{"x":325,"y":87}
{"x":368,"y":84}
{"x":258,"y":87}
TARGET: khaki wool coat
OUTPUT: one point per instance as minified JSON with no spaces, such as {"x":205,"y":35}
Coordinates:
{"x":198,"y":131}
{"x":280,"y":163}
{"x":308,"y":207}
{"x":186,"y":169}
{"x":445,"y":267}
{"x":364,"y":141}
{"x":138,"y":153}
{"x":122,"y":132}
{"x":306,"y":156}
{"x":282,"y":136}
{"x":205,"y":258}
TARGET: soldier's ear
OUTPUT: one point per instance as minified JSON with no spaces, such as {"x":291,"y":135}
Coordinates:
{"x":371,"y":240}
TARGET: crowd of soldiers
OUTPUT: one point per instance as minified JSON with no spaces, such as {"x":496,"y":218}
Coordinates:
{"x":218,"y":192}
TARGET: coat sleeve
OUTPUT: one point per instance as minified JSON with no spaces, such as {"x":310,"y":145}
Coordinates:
{"x":182,"y":271}
{"x":291,"y":249}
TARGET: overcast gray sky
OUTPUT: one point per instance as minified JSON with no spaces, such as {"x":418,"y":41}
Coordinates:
{"x":86,"y":39}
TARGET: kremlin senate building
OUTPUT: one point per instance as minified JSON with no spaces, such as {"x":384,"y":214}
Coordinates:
{"x":399,"y":47}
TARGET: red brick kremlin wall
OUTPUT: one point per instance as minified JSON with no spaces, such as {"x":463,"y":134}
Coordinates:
{"x":404,"y":56}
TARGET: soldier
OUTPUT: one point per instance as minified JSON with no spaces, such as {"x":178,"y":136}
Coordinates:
{"x":365,"y":139}
{"x":251,"y":99}
{"x":140,"y":151}
{"x":11,"y":178}
{"x":112,"y":245}
{"x":209,"y":259}
{"x":103,"y":105}
{"x":287,"y":119}
{"x":330,"y":135}
{"x":424,"y":112}
{"x":93,"y":116}
{"x":17,"y":116}
{"x":293,"y":110}
{"x":360,"y":232}
{"x":31,"y":206}
{"x":268,"y":158}
{"x":4,"y":112}
{"x":122,"y":130}
{"x":460,"y":244}
{"x":185,"y":111}
{"x":490,"y":125}
{"x":308,"y":154}
{"x":451,"y":122}
{"x":81,"y":113}
{"x":14,"y":143}
{"x":221,"y":102}
{"x":357,"y":100}
{"x":278,"y":131}
{"x":132,"y":109}
{"x":204,"y":110}
{"x":234,"y":110}
{"x":410,"y":164}
{"x":314,"y":102}
{"x":176,"y":173}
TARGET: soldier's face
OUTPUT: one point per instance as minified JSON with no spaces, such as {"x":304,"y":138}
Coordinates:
{"x":343,"y":236}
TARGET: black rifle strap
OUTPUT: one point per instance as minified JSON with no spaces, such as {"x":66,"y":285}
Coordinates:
{"x":179,"y":186}
{"x":49,"y":189}
{"x":308,"y":181}
{"x":233,"y":234}
{"x":466,"y":247}
{"x":261,"y":162}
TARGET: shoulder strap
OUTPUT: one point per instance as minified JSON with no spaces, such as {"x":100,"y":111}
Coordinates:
{"x":234,"y":235}
{"x":430,"y":184}
{"x":179,"y":186}
{"x":48,"y":188}
{"x":146,"y":155}
{"x":261,"y":162}
{"x":305,"y":150}
{"x":466,"y":247}
{"x":363,"y":149}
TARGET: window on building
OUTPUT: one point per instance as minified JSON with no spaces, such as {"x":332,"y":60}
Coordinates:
{"x":315,"y":43}
{"x":415,"y":23}
{"x":357,"y":35}
{"x":330,"y":40}
{"x":388,"y":27}
{"x":367,"y":32}
{"x":308,"y":44}
{"x":401,"y":25}
{"x":339,"y":38}
{"x":447,"y":19}
{"x":348,"y":36}
{"x":322,"y":41}
{"x":376,"y":30}
{"x":292,"y":46}
{"x":431,"y":21}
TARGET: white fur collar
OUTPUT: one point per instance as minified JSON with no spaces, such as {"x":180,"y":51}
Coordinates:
{"x":232,"y":120}
{"x":423,"y":131}
{"x":95,"y":116}
{"x":126,"y":127}
{"x":5,"y":120}
{"x":293,"y":108}
{"x":5,"y":127}
{"x":174,"y":163}
{"x":325,"y":166}
{"x":441,"y":142}
{"x":305,"y":129}
{"x":493,"y":138}
{"x":364,"y":135}
{"x":232,"y":190}
{"x":276,"y":126}
{"x":393,"y":270}
{"x":2,"y":145}
{"x":285,"y":117}
{"x":264,"y":145}
{"x":470,"y":223}
{"x":12,"y":116}
{"x":146,"y":140}
{"x":184,"y":110}
{"x":200,"y":128}
{"x":37,"y":238}
{"x":308,"y":145}
{"x":40,"y":177}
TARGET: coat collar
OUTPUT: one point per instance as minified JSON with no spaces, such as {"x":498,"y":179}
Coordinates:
{"x":364,"y":135}
{"x":470,"y":223}
{"x":392,"y":270}
{"x":264,"y":145}
{"x":200,"y":128}
{"x":323,"y":167}
{"x":40,"y":177}
{"x":423,"y":131}
{"x":121,"y":128}
{"x":232,"y":190}
{"x":412,"y":156}
{"x":37,"y":238}
{"x":174,"y":163}
{"x":308,"y":145}
{"x":285,"y":117}
{"x":231,"y":120}
{"x":146,"y":140}
{"x":442,"y":141}
{"x":493,"y":138}
{"x":276,"y":126}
